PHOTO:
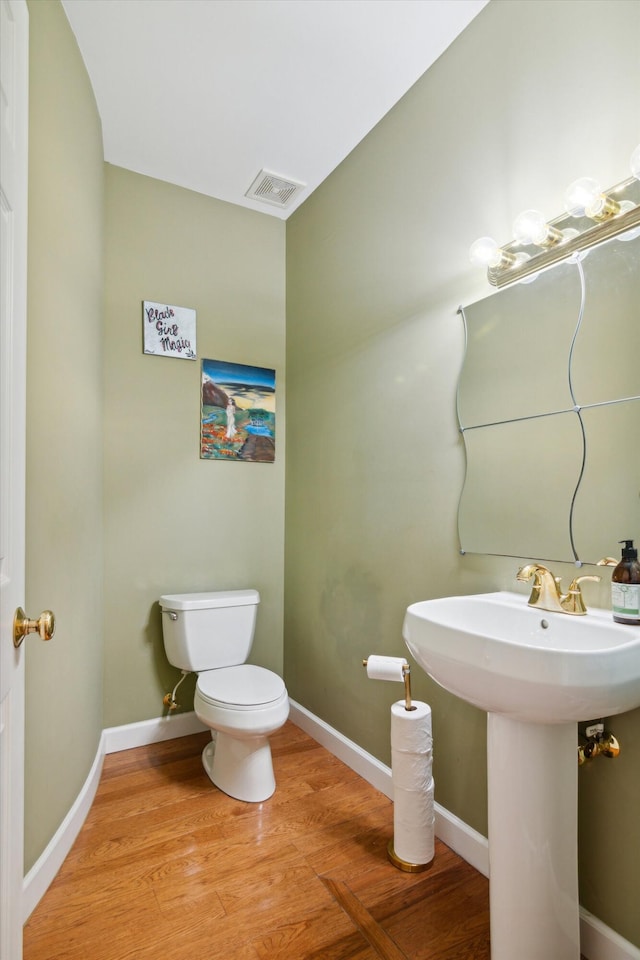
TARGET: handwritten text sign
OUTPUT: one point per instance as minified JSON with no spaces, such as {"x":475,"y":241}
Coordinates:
{"x":169,"y":331}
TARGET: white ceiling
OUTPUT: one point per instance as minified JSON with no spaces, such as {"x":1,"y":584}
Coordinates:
{"x":207,"y":93}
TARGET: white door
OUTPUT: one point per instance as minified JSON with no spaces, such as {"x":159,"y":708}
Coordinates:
{"x":14,"y":34}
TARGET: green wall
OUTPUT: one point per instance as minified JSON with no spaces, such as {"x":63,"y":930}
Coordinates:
{"x":64,"y":425}
{"x":173,"y":522}
{"x":377,"y":264}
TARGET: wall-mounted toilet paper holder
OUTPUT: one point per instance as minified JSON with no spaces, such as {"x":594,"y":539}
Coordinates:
{"x":406,"y":677}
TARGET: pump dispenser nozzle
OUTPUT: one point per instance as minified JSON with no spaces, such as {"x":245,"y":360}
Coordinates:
{"x":629,"y":552}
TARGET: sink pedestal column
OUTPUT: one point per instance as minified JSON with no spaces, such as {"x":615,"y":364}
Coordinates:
{"x":533,"y":840}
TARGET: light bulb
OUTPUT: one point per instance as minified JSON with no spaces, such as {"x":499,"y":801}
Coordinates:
{"x":485,"y":252}
{"x":531,"y":227}
{"x":635,"y":162}
{"x":584,"y":198}
{"x":580,"y":195}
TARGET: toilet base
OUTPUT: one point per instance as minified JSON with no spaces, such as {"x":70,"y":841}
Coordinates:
{"x":243,"y":769}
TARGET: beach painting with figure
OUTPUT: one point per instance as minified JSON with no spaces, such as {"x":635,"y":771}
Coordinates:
{"x":238,"y":412}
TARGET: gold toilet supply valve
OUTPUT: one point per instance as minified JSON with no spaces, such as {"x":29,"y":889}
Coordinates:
{"x":169,"y":699}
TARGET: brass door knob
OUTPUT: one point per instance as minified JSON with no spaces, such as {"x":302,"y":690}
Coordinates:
{"x":44,"y":626}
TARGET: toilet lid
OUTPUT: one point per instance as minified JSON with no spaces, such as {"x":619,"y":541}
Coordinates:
{"x":243,"y":686}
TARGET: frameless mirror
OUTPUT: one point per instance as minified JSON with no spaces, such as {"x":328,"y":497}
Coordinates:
{"x":549,"y":409}
{"x":607,"y":508}
{"x":506,"y":499}
{"x":606,"y":360}
{"x":518,"y":342}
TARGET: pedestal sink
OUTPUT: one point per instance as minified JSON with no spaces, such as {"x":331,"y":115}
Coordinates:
{"x":536,"y":674}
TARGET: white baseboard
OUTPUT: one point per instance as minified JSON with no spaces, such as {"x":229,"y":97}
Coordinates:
{"x":40,"y":876}
{"x":151,"y":731}
{"x":357,"y":759}
{"x":597,"y":941}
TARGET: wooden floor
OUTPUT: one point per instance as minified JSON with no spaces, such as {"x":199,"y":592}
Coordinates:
{"x":167,"y":866}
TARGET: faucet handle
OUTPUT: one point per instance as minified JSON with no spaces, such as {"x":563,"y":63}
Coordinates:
{"x":608,"y":562}
{"x":573,"y":602}
{"x":575,"y":583}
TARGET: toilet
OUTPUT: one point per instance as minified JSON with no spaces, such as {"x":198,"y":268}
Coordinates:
{"x":211,"y":634}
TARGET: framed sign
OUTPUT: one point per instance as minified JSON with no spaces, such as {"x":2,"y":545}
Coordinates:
{"x":238,"y":412}
{"x":169,"y":331}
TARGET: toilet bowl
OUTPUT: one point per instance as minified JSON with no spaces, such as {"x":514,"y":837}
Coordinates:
{"x":242,"y":704}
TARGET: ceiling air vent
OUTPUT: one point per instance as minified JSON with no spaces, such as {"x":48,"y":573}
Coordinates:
{"x":271,"y":188}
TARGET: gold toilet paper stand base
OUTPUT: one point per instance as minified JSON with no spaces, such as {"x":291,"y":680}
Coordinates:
{"x":404,"y":864}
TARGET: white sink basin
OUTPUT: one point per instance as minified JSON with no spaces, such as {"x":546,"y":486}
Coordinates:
{"x":498,"y":653}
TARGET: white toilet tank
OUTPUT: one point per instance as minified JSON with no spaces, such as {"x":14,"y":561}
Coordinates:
{"x":204,"y":631}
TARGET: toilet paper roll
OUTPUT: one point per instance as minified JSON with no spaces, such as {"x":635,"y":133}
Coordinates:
{"x":411,"y":771}
{"x":413,"y":787}
{"x":415,"y":807}
{"x":411,"y":729}
{"x":414,"y":824}
{"x":385,"y":668}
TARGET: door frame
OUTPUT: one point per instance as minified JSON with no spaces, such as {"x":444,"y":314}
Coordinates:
{"x":13,"y":324}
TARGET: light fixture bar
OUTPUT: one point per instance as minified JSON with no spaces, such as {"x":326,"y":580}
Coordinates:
{"x":591,"y":234}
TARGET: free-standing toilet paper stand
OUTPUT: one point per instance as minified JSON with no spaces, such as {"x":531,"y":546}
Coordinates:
{"x":406,"y":811}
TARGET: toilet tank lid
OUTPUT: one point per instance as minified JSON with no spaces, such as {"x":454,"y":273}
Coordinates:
{"x":205,"y":601}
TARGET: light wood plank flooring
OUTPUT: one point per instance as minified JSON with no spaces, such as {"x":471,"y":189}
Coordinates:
{"x":168,"y":866}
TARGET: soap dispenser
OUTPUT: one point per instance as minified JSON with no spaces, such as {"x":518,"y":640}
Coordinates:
{"x":625,"y":586}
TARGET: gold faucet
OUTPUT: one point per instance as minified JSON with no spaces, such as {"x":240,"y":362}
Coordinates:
{"x":547,"y":594}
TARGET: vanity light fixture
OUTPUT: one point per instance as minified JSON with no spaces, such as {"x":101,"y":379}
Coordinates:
{"x":591,"y":216}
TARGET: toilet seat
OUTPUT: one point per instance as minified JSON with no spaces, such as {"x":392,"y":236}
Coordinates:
{"x":241,"y":687}
{"x":261,"y":707}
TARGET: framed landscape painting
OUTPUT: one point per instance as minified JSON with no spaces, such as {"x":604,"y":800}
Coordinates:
{"x":238,"y":412}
